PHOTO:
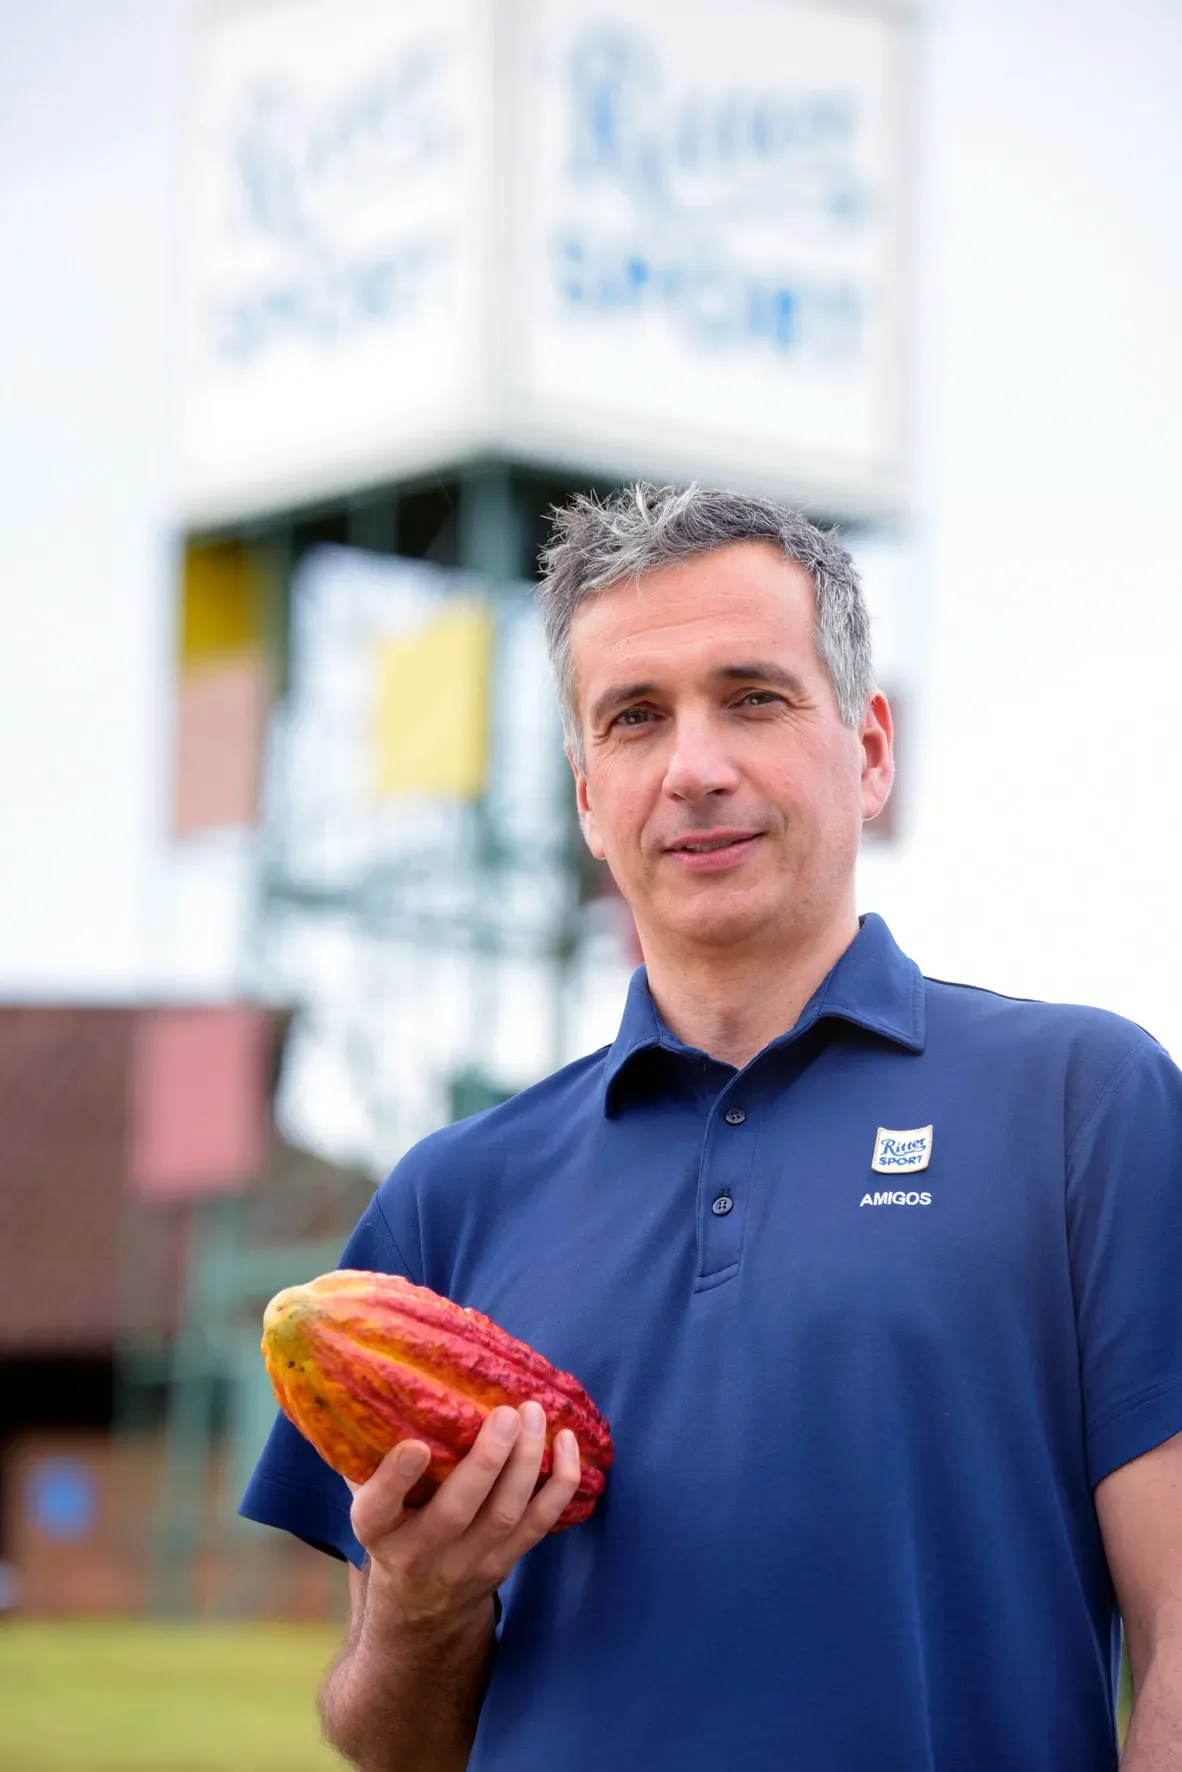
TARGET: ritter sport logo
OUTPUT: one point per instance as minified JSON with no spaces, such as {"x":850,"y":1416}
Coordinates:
{"x":900,"y":1153}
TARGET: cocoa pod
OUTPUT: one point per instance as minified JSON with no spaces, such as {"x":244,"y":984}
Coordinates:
{"x":360,"y":1361}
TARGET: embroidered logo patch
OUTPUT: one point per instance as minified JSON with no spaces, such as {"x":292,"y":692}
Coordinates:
{"x":898,"y":1153}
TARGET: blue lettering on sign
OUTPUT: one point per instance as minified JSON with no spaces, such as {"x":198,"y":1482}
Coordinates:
{"x":727,"y":153}
{"x":301,"y":177}
{"x":712,"y":301}
{"x":326,"y":299}
{"x":696,"y":172}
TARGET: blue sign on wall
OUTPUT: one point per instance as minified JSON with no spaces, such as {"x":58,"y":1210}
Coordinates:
{"x":61,"y":1498}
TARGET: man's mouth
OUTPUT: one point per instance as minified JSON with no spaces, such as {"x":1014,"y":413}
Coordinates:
{"x":718,"y":848}
{"x":714,"y":843}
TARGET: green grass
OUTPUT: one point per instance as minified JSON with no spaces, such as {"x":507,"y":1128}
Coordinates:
{"x":115,"y":1697}
{"x":123,"y":1697}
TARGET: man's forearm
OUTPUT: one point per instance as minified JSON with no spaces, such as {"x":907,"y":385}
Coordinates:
{"x":1154,"y":1742}
{"x":408,"y":1700}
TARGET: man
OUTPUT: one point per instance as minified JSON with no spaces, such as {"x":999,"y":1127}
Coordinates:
{"x":878,"y":1279}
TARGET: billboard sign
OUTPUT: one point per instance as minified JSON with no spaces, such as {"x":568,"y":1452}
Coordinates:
{"x":707,"y":260}
{"x":332,"y":255}
{"x":622,"y":238}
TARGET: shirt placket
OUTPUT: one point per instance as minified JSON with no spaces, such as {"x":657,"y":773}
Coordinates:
{"x":724,"y":1186}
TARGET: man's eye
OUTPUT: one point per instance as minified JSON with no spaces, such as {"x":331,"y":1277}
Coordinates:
{"x":761,"y":697}
{"x":631,"y":717}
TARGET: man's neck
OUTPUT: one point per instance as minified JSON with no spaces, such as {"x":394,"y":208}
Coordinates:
{"x":731,"y":1004}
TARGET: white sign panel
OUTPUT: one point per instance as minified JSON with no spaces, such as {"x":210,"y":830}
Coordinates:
{"x":706,"y":268}
{"x":662,"y":237}
{"x":334,"y":250}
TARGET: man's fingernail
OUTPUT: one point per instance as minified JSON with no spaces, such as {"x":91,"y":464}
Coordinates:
{"x":533,"y":1418}
{"x":410,"y":1460}
{"x":505,"y":1424}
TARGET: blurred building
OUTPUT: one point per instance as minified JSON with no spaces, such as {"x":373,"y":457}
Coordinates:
{"x":123,"y":1133}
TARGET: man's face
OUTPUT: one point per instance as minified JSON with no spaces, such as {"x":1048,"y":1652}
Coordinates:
{"x":719,"y":782}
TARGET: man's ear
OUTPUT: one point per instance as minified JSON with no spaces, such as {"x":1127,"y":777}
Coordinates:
{"x":587,"y":822}
{"x":877,"y":735}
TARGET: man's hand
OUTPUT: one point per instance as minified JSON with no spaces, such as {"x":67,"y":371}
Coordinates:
{"x":406,"y":1693}
{"x":437,"y":1564}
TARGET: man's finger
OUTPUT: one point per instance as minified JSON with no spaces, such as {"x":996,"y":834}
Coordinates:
{"x":500,"y":1513}
{"x":551,"y":1500}
{"x":378,"y":1504}
{"x":461,"y":1495}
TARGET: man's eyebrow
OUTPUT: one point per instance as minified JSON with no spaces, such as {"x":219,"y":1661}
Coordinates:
{"x":760,"y":671}
{"x":615,"y":695}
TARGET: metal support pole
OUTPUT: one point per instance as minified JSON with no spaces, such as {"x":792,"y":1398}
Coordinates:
{"x":491,"y":543}
{"x":372,"y":522}
{"x":492,"y":530}
{"x":197,"y":1363}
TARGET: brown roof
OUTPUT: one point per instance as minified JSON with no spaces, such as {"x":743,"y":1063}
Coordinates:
{"x":82,"y":1258}
{"x":63,"y":1128}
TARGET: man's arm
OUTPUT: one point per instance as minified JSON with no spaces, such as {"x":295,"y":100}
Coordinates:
{"x":405,"y":1694}
{"x":397,"y":1698}
{"x":1139,"y":1507}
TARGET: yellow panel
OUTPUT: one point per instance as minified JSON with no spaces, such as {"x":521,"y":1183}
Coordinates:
{"x":431,"y":706}
{"x":223,"y":607}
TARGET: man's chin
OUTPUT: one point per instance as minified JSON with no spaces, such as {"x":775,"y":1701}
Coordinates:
{"x":716,"y":920}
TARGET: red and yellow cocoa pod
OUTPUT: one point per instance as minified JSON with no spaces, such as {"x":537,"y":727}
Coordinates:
{"x":361,"y":1361}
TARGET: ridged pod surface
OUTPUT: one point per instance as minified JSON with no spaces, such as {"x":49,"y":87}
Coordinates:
{"x":360,"y":1361}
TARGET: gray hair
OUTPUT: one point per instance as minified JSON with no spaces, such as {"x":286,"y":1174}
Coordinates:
{"x":599,"y":543}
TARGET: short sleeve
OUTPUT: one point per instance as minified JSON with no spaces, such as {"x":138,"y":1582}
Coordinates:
{"x":292,"y":1487}
{"x":1124,"y":1222}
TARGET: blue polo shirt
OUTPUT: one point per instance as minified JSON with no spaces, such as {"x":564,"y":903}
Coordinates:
{"x":858,"y":1413}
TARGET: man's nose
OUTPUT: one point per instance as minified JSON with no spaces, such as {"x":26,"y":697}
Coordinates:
{"x":699,"y":763}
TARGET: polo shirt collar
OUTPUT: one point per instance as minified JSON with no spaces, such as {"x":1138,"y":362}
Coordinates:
{"x":874,"y":985}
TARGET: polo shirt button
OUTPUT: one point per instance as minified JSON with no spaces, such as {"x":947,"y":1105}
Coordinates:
{"x":722,"y":1205}
{"x":734,"y":1116}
